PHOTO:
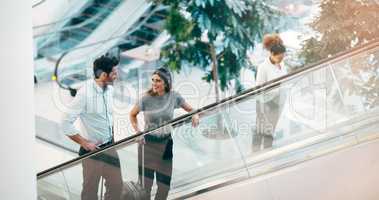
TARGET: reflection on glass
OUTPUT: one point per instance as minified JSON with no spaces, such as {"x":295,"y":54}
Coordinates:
{"x":53,"y":187}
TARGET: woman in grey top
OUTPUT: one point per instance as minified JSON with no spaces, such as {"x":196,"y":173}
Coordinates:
{"x":158,"y":106}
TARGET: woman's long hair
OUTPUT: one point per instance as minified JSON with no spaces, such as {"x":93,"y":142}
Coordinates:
{"x":165,"y":75}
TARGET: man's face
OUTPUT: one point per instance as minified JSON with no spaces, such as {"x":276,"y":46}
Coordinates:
{"x":111,"y":77}
{"x":277,"y":58}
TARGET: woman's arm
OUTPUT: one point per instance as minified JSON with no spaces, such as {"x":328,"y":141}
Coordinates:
{"x":133,"y":118}
{"x":195,"y":117}
{"x":187,"y":107}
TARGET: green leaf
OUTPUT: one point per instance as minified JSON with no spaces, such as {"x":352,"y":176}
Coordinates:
{"x":232,"y":27}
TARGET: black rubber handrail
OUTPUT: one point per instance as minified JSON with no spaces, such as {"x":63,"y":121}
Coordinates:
{"x":233,"y":99}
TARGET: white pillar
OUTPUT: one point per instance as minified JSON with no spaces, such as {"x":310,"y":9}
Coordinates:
{"x":17,"y":161}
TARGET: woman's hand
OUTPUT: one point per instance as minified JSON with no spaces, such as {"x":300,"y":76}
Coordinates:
{"x":195,"y":120}
{"x":141,"y":140}
{"x":195,"y":117}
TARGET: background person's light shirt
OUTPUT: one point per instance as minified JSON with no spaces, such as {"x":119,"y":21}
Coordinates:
{"x":267,"y":72}
{"x":93,"y":106}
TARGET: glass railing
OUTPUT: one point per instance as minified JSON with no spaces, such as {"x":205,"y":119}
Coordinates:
{"x":306,"y":114}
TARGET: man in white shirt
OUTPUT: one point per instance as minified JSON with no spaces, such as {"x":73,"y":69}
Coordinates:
{"x":93,"y":105}
{"x":269,"y":103}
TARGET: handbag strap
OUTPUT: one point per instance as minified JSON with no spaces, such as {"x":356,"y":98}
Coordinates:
{"x":143,"y":165}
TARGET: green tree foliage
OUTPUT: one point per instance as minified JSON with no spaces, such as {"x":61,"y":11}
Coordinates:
{"x":215,"y":35}
{"x":341,"y":24}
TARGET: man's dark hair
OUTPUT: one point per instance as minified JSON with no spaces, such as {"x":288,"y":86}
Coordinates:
{"x":104,"y":64}
{"x":277,"y":49}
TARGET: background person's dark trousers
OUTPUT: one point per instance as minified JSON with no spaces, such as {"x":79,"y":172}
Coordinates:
{"x":267,"y":118}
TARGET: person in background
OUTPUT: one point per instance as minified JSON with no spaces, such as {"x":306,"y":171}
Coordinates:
{"x":269,"y":105}
{"x":158,"y":105}
{"x":93,"y":105}
{"x":271,"y":39}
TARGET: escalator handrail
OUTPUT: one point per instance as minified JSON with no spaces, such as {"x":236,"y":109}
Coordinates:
{"x":56,"y":77}
{"x":235,"y":98}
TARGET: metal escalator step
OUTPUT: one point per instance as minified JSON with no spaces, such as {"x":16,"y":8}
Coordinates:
{"x":154,"y":19}
{"x":97,"y":19}
{"x":102,"y":1}
{"x":68,"y":43}
{"x":159,"y":16}
{"x":144,"y":35}
{"x":88,"y":16}
{"x":158,"y":26}
{"x":90,"y":10}
{"x":95,"y":10}
{"x":84,"y":29}
{"x":69,"y":35}
{"x":144,"y":41}
{"x":90,"y":26}
{"x":109,"y":6}
{"x":164,"y":11}
{"x":130,"y":45}
{"x":149,"y":30}
{"x":79,"y":35}
{"x":77,"y":20}
{"x":49,"y":51}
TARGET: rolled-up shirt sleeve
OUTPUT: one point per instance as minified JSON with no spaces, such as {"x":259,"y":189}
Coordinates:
{"x":261,"y":75}
{"x":76,"y":107}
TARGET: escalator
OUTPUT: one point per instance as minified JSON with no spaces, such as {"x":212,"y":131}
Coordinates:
{"x":77,"y":28}
{"x":150,"y":27}
{"x":145,"y":31}
{"x":326,"y":107}
{"x":112,"y":28}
